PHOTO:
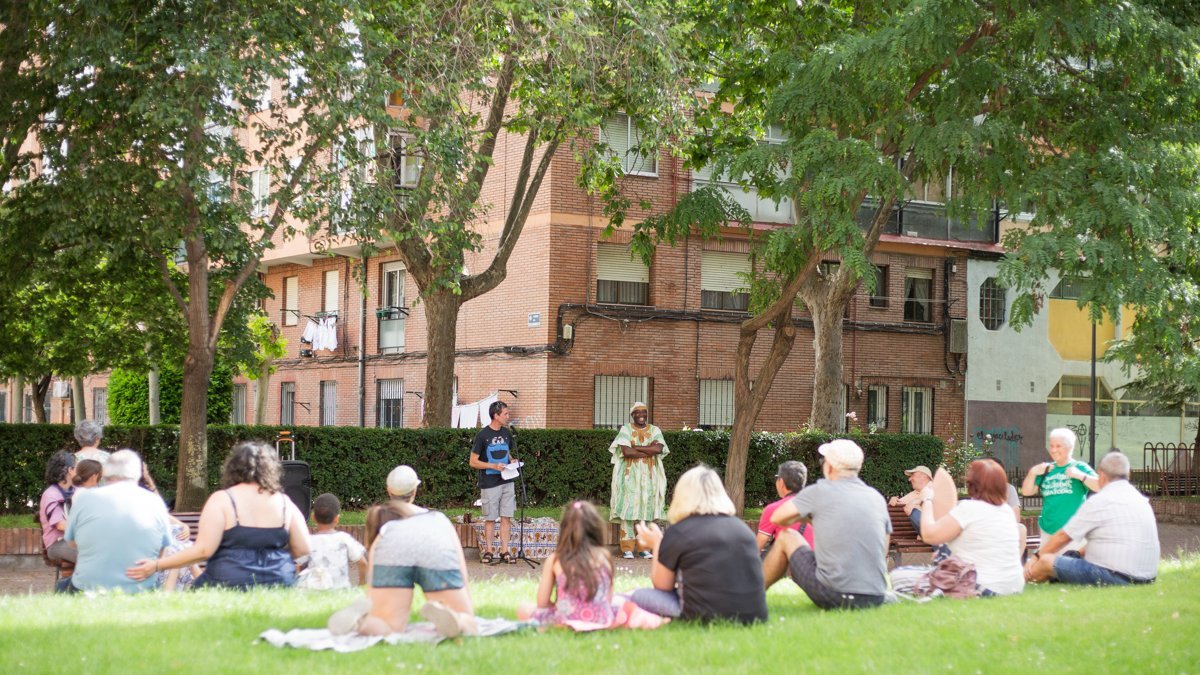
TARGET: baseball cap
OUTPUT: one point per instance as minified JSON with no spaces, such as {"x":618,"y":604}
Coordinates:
{"x":919,"y":469}
{"x":842,"y":453}
{"x":402,"y":480}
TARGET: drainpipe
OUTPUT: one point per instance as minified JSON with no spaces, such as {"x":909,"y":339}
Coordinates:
{"x":362,"y":348}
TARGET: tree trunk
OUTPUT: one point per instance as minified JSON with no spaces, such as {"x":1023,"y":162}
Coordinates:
{"x":77,"y":399}
{"x":748,"y":401}
{"x":153,"y":397}
{"x":441,"y":315}
{"x":827,"y":407}
{"x":192,"y":471}
{"x":17,"y":405}
{"x":39,"y":391}
{"x":261,"y":390}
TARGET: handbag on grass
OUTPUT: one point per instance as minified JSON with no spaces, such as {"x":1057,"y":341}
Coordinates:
{"x":952,"y":577}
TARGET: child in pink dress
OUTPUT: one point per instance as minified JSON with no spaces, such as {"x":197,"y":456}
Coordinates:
{"x":578,"y":575}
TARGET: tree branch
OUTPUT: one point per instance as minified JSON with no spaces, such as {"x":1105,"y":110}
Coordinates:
{"x":986,"y":29}
{"x":487,"y":146}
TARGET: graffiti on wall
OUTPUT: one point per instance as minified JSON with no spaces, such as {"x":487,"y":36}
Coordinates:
{"x":1005,"y":442}
{"x":1081,"y":438}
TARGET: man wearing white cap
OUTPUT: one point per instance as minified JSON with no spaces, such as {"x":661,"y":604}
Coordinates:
{"x":918,"y":478}
{"x":402,"y":483}
{"x":639,"y":483}
{"x":848,"y":569}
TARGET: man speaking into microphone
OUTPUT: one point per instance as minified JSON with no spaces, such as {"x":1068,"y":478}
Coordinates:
{"x":490,"y":453}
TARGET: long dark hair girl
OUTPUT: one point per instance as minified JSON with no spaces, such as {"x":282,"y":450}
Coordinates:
{"x":580,"y":550}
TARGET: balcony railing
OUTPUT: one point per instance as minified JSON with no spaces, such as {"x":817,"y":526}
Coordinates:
{"x":929,"y":221}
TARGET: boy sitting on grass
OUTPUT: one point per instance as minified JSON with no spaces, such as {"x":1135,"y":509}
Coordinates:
{"x":332,"y":550}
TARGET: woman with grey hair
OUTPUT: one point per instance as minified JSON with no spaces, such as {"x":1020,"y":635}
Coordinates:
{"x":250,"y":532}
{"x":88,"y":434}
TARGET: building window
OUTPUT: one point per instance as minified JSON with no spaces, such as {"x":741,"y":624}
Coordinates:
{"x":328,"y":416}
{"x":405,"y":162}
{"x":238,"y":414}
{"x":259,"y":185}
{"x":621,"y":135}
{"x":918,"y":295}
{"x":1069,"y":288}
{"x":613,"y":397}
{"x":3,"y":406}
{"x":916,"y":411}
{"x":291,"y":301}
{"x":365,"y":139}
{"x":391,"y":321}
{"x":391,"y":403}
{"x":621,"y":279}
{"x":716,"y":403}
{"x":330,"y":302}
{"x":877,"y":396}
{"x":722,"y":283}
{"x":287,"y":404}
{"x":991,"y":303}
{"x":100,"y":405}
{"x":879,"y":296}
{"x":28,"y":413}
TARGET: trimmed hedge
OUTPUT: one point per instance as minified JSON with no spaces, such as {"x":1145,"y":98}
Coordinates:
{"x":353,"y":463}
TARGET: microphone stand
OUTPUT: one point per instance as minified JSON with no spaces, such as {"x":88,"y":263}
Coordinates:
{"x":524,"y":500}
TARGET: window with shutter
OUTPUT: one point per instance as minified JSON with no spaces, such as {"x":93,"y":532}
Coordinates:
{"x":621,"y":278}
{"x":722,"y":285}
{"x":620,"y":134}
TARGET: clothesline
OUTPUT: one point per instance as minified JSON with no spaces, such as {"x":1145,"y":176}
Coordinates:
{"x":321,"y":333}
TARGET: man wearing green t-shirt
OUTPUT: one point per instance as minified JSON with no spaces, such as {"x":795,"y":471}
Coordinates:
{"x":1063,"y":482}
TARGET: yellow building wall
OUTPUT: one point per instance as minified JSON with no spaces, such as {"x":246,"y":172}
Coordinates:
{"x":1071,"y":330}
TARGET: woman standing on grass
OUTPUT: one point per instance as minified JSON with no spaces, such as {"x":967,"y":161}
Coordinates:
{"x":578,"y":574}
{"x":706,"y":565}
{"x":249,"y":532}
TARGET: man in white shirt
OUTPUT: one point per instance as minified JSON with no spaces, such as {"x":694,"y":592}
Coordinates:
{"x":1121,"y":532}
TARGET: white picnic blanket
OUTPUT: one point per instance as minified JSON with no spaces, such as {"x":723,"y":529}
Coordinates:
{"x":318,"y":639}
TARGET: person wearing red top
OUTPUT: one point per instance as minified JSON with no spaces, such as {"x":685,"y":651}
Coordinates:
{"x":789,"y":479}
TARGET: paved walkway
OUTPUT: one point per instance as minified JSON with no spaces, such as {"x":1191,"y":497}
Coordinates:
{"x":18,"y":577}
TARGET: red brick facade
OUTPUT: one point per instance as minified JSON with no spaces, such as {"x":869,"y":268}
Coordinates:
{"x":553,"y":271}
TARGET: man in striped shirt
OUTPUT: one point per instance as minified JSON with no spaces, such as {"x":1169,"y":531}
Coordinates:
{"x":1121,"y":533}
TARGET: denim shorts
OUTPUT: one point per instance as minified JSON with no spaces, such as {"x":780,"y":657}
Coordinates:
{"x":1071,"y":569}
{"x":430,"y":580}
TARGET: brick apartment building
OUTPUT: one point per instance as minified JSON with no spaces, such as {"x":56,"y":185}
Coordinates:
{"x":579,"y":330}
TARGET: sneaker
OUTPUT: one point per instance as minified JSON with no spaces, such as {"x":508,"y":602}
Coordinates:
{"x":347,"y":620}
{"x":646,"y":555}
{"x":447,"y":621}
{"x":628,"y":555}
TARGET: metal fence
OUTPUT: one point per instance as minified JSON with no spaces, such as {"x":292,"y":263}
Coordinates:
{"x":1171,"y":469}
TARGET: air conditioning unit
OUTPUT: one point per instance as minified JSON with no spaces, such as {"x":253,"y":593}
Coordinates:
{"x":62,"y":389}
{"x":958,"y":336}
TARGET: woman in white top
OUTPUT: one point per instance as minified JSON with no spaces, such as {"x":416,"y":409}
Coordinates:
{"x":980,"y":530}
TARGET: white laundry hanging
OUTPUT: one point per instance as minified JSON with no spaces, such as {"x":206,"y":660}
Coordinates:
{"x":310,"y":331}
{"x":485,"y":406}
{"x":324,"y":334}
{"x":468,"y":415}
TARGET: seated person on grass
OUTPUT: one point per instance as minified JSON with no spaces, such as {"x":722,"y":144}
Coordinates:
{"x":115,"y":525}
{"x":576,"y":585}
{"x":706,"y":566}
{"x":791,"y":477}
{"x":1121,"y":532}
{"x":332,"y":550}
{"x":250,"y":532}
{"x":980,"y":531}
{"x":408,"y":547}
{"x":847,"y":569}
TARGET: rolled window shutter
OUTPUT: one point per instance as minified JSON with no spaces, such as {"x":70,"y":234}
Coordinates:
{"x":615,"y":262}
{"x":719,"y":271}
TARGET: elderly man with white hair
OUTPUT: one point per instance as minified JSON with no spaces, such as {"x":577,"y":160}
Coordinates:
{"x":1064,"y":482}
{"x":115,"y":525}
{"x":848,"y":569}
{"x":1121,"y":532}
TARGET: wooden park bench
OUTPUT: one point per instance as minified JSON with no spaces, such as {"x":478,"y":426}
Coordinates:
{"x":906,"y":540}
{"x":192,"y":520}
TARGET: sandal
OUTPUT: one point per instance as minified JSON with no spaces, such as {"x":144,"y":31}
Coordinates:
{"x":486,"y":558}
{"x":507,"y":559}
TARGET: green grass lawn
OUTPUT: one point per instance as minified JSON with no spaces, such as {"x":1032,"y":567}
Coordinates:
{"x":1047,"y":629}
